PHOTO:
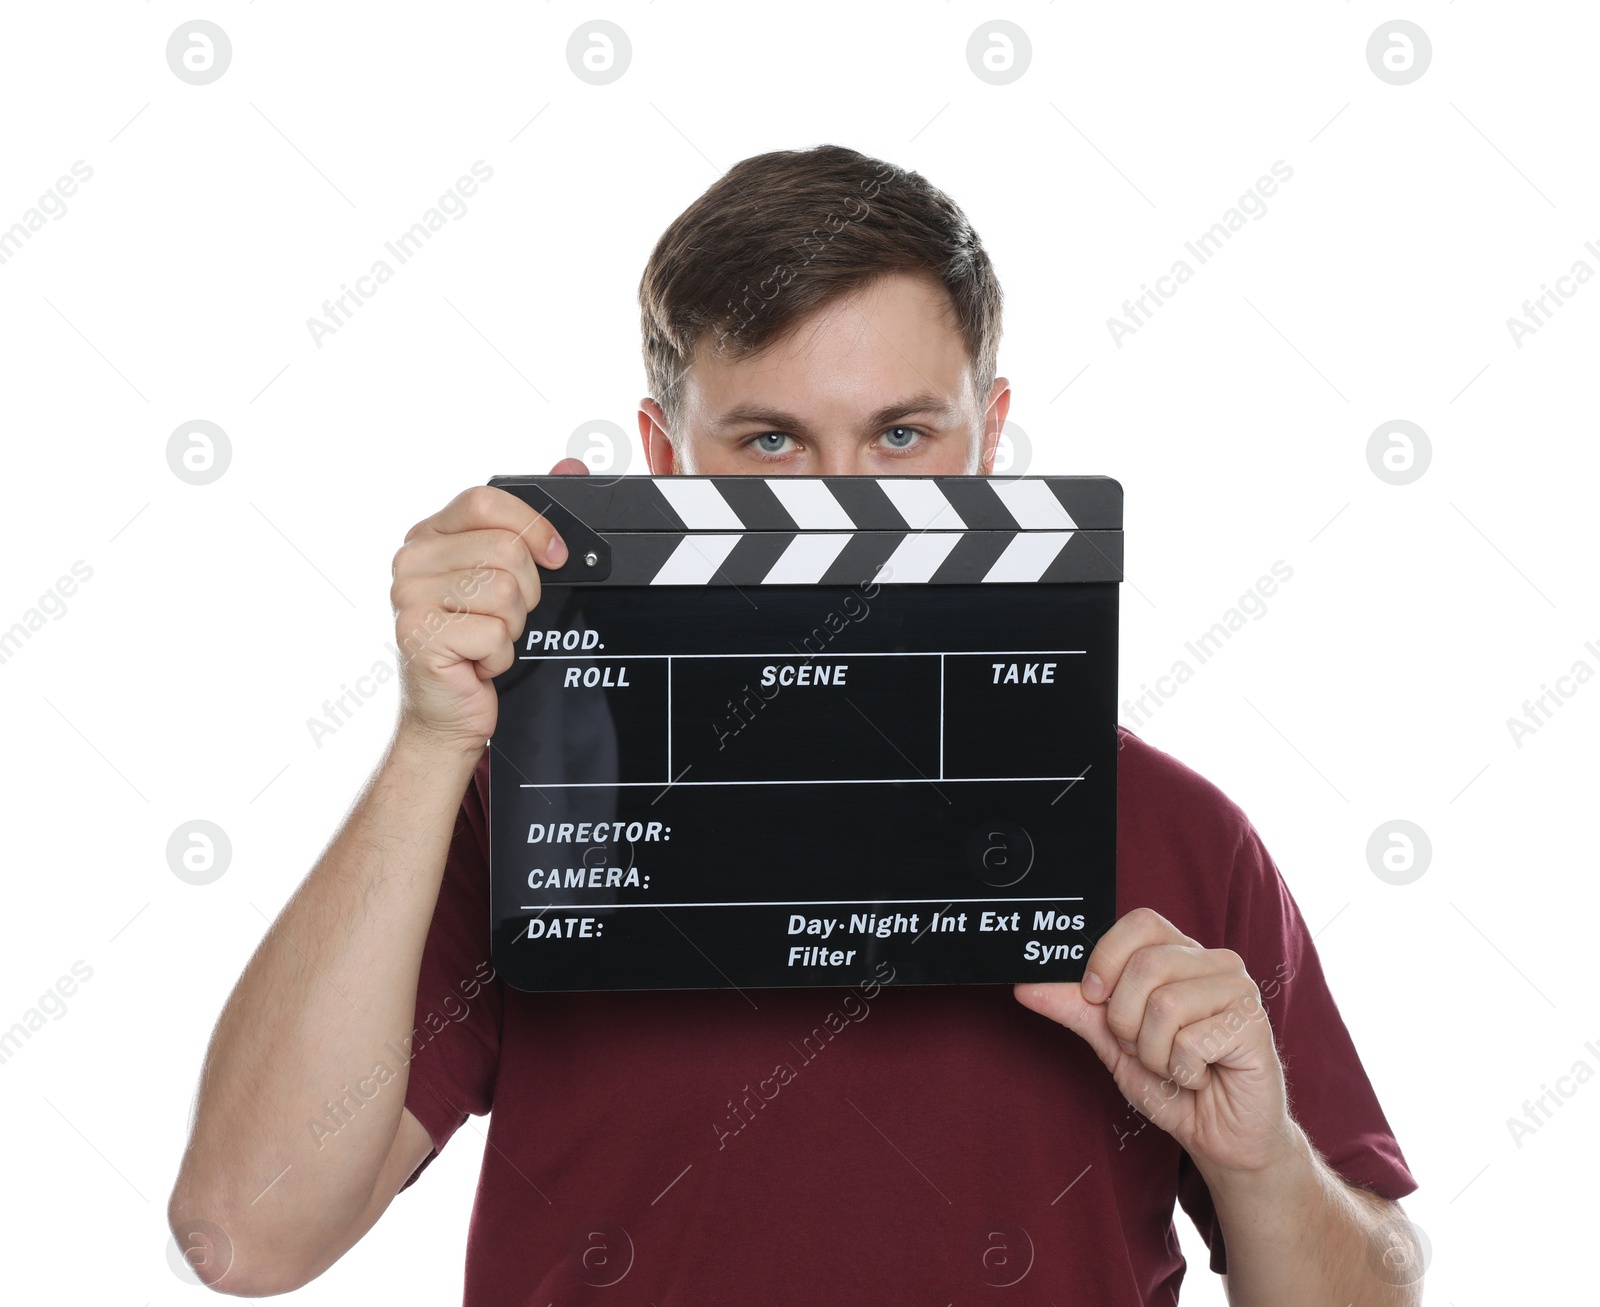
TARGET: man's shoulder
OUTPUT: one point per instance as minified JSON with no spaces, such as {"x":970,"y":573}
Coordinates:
{"x":1160,"y":796}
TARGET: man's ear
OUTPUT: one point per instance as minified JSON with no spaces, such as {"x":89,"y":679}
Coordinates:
{"x":994,"y":421}
{"x":659,"y":456}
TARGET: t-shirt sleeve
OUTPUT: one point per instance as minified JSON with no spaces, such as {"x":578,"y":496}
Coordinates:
{"x":455,"y":1039}
{"x":1329,"y":1093}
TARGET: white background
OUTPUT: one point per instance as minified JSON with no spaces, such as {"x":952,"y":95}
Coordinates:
{"x":178,"y":683}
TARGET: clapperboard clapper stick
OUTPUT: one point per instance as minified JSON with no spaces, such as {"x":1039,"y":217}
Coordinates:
{"x":778,"y":731}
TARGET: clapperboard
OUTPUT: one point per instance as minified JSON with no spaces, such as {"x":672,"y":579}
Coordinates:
{"x":774,"y":731}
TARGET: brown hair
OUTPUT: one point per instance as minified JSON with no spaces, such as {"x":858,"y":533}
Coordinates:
{"x":780,"y":235}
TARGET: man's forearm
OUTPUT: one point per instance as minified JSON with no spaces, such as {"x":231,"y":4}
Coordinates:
{"x":332,"y":983}
{"x":1297,"y":1233}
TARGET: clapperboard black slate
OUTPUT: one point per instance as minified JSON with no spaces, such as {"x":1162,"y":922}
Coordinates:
{"x":775,"y":731}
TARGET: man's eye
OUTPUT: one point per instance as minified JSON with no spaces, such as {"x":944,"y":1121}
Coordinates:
{"x":770,"y":442}
{"x":901,"y":437}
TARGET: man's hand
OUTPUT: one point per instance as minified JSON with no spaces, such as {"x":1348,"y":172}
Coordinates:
{"x":1185,"y":1036}
{"x":465,"y":581}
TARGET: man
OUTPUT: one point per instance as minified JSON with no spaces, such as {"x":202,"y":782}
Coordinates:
{"x":815,"y":312}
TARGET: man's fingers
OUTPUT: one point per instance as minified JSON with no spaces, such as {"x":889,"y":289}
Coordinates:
{"x":1136,"y":930}
{"x":471,"y":637}
{"x":467,"y":558}
{"x":1190,"y":1023}
{"x":422,"y":601}
{"x":570,"y":467}
{"x":1145,"y":973}
{"x":481,"y":508}
{"x":1063,"y":1002}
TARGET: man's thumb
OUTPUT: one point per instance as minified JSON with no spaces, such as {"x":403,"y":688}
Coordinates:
{"x":1064,"y":1003}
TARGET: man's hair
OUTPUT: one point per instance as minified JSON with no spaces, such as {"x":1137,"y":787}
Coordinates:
{"x":783,"y":234}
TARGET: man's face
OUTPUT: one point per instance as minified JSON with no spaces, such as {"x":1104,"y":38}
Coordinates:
{"x":876,"y":384}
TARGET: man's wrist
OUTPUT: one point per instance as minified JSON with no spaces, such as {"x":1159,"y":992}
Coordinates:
{"x":1287,"y":1173}
{"x":418,"y":747}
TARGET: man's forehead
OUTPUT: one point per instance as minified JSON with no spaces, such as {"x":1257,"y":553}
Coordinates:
{"x":879,"y":355}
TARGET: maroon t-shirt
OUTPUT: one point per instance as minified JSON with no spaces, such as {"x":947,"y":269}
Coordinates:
{"x":876,"y":1143}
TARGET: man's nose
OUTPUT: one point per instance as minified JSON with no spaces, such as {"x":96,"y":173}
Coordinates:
{"x":841,"y":458}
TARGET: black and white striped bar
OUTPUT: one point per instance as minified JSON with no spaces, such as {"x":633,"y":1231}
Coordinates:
{"x":751,"y":531}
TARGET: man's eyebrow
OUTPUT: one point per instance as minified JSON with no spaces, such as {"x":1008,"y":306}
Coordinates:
{"x":759,"y":415}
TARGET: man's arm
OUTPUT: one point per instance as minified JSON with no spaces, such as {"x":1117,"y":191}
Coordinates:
{"x":334,"y":979}
{"x":1298,"y":1233}
{"x":262,"y":1202}
{"x":1183,"y":1031}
